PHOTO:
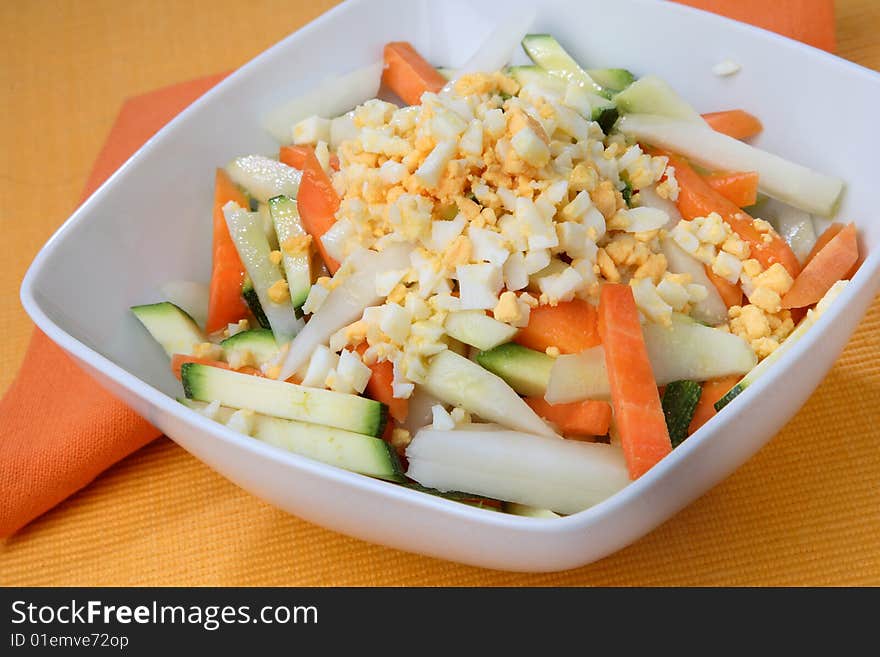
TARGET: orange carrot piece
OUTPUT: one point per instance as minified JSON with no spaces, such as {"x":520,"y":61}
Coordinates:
{"x":829,"y":234}
{"x":731,"y":294}
{"x":737,"y":123}
{"x":407,"y":73}
{"x":379,"y":387}
{"x":225,"y":304}
{"x":738,"y":187}
{"x":317,"y":203}
{"x":697,"y":199}
{"x":829,"y":265}
{"x":177,"y":361}
{"x":296,"y":157}
{"x":826,"y":237}
{"x":634,"y":397}
{"x":583,"y":418}
{"x":569,"y":326}
{"x":712,"y":392}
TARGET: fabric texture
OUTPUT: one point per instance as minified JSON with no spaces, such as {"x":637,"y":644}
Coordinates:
{"x":810,"y":21}
{"x":161,"y":517}
{"x":60,"y":428}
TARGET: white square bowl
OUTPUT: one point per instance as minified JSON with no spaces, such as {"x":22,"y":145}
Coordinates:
{"x":151,"y":222}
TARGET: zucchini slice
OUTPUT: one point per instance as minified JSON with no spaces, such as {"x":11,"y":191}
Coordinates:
{"x":679,"y":403}
{"x":170,"y":326}
{"x":288,"y":401}
{"x":351,"y":451}
{"x":297,"y":265}
{"x":253,"y":248}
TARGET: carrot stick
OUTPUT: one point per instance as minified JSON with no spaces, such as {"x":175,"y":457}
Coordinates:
{"x":731,"y":294}
{"x":225,"y":304}
{"x":583,"y":418}
{"x":177,"y":361}
{"x":737,"y":123}
{"x":697,"y":199}
{"x":634,"y":397}
{"x":828,"y":266}
{"x":317,"y":203}
{"x":407,"y":73}
{"x":569,"y":326}
{"x":829,"y":234}
{"x":712,"y":392}
{"x":738,"y":187}
{"x":826,"y":237}
{"x":379,"y":387}
{"x":296,"y":156}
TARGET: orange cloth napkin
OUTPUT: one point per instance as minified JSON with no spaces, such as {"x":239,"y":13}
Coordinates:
{"x":60,"y":429}
{"x":810,"y":21}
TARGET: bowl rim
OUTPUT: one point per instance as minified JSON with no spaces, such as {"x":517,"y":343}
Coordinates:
{"x":167,"y":404}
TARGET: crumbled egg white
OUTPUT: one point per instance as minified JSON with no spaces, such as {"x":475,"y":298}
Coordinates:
{"x":352,"y":370}
{"x":726,"y":68}
{"x":311,"y":130}
{"x":460,"y":416}
{"x":208,"y":350}
{"x":512,"y":199}
{"x":441,"y":419}
{"x":211,"y":410}
{"x":238,"y":327}
{"x":650,"y":302}
{"x":238,"y":358}
{"x":242,"y":421}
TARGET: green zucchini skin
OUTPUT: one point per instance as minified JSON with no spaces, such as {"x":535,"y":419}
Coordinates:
{"x":679,"y":402}
{"x":249,"y":294}
{"x":729,"y":396}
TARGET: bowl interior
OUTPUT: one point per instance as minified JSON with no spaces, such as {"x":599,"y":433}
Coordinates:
{"x":152,"y":222}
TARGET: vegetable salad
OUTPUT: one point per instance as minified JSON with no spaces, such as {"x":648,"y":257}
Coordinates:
{"x":518,"y":288}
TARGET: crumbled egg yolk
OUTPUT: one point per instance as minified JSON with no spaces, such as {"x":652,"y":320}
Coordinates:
{"x":762,"y":330}
{"x":296,"y":244}
{"x":668,"y":188}
{"x":503,"y":189}
{"x":208,"y":350}
{"x":400,"y":439}
{"x":511,"y":310}
{"x":279,"y":292}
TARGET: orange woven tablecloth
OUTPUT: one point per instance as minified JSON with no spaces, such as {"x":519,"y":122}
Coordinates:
{"x":805,"y":510}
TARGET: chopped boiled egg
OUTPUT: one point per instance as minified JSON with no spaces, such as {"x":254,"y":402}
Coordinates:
{"x":641,"y":220}
{"x":395,"y":322}
{"x":727,"y":266}
{"x":650,"y":302}
{"x":487,"y":246}
{"x":432,"y":168}
{"x":320,"y":364}
{"x":441,"y":419}
{"x":242,"y":421}
{"x":479,"y":285}
{"x":353,"y":371}
{"x":530,"y":147}
{"x":311,"y":130}
{"x":562,"y":286}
